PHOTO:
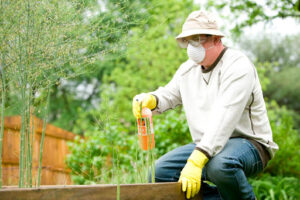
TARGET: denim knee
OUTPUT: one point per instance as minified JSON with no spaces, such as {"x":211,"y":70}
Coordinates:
{"x":220,"y":169}
{"x":227,"y":174}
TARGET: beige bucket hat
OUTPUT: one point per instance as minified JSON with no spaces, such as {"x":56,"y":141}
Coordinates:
{"x":198,"y":22}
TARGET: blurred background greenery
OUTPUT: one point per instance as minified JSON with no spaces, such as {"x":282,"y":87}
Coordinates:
{"x":94,"y":56}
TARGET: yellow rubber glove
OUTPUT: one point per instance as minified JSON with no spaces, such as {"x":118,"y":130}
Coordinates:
{"x":147,"y":100}
{"x":190,"y":177}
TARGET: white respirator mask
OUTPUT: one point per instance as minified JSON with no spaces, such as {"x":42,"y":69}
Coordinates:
{"x":196,"y":54}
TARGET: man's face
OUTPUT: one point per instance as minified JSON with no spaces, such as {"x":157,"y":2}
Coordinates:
{"x":207,"y":41}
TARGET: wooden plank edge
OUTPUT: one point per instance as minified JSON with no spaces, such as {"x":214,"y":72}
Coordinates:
{"x":148,"y":191}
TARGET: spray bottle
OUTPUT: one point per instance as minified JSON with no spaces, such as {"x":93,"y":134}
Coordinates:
{"x":145,"y":130}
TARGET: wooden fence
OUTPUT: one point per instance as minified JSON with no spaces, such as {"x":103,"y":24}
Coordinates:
{"x":54,"y":170}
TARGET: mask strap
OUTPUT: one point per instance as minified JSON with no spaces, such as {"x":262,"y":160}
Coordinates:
{"x":210,"y":47}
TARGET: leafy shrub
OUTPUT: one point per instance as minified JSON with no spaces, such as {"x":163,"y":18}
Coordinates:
{"x":280,"y":188}
{"x":93,"y":159}
{"x":285,"y":89}
{"x":286,"y":160}
{"x":171,"y":131}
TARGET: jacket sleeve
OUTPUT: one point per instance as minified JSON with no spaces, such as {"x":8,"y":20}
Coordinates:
{"x":236,"y":85}
{"x":168,"y":97}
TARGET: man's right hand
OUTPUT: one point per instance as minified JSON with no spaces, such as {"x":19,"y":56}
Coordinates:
{"x":147,"y":100}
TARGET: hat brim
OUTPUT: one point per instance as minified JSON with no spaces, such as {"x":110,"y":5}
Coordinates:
{"x":196,"y":32}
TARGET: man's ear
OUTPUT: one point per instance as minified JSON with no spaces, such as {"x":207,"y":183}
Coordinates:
{"x":217,"y":39}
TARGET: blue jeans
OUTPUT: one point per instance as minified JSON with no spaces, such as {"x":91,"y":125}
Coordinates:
{"x":228,"y":170}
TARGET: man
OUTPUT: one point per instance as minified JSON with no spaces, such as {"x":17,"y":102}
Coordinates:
{"x":225,"y":110}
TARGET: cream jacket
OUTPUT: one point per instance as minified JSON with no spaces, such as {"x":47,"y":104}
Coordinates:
{"x":222,"y":103}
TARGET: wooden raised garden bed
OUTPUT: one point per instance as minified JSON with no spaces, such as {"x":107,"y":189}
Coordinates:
{"x":156,"y":191}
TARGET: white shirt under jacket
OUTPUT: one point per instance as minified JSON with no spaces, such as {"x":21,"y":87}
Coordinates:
{"x":225,"y":102}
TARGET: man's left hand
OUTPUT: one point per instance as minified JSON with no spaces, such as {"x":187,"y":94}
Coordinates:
{"x":190,"y":177}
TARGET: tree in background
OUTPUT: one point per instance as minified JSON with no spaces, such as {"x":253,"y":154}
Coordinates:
{"x":284,"y":73}
{"x":108,"y":25}
{"x":282,"y":51}
{"x":151,"y":58}
{"x":249,"y":12}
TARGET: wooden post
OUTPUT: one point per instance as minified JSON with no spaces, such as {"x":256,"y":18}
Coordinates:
{"x":154,"y":191}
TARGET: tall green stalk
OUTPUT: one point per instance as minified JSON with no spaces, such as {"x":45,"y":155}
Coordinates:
{"x":31,"y":151}
{"x":151,"y":151}
{"x":22,"y":142}
{"x":143,"y":167}
{"x":22,"y":83}
{"x":118,"y":175}
{"x":138,"y":175}
{"x":43,"y":136}
{"x":28,"y":149}
{"x":2,"y":103}
{"x":28,"y":99}
{"x":2,"y":114}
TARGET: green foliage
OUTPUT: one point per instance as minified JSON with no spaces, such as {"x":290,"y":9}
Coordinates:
{"x":281,"y":51}
{"x":171,"y":131}
{"x":270,"y":188}
{"x":152,"y":58}
{"x":283,"y":73}
{"x":285,"y":88}
{"x":109,"y":24}
{"x":93,"y":159}
{"x":263,"y":69}
{"x":68,"y":45}
{"x":249,"y":12}
{"x":40,"y":45}
{"x":286,"y":160}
